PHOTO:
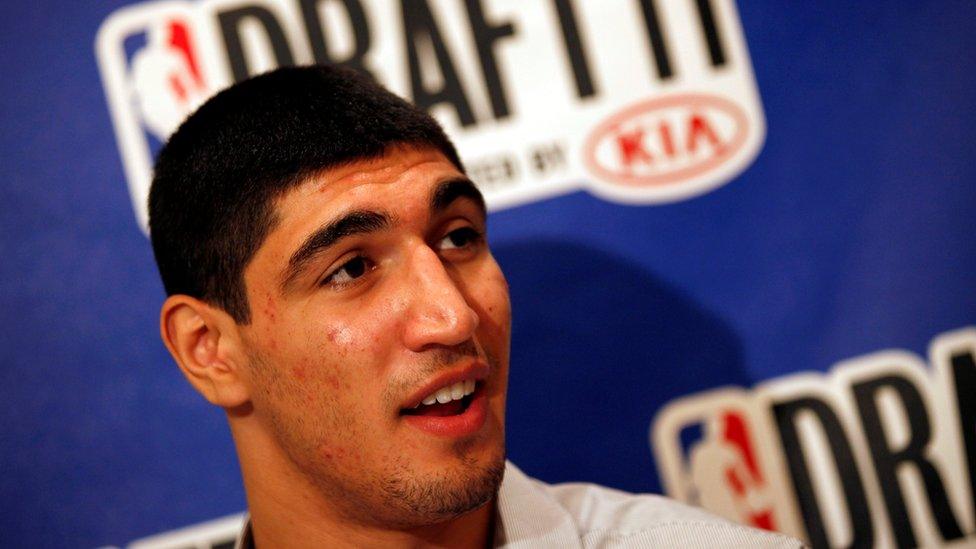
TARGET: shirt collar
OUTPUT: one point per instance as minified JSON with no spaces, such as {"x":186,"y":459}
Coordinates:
{"x":527,"y":516}
{"x":246,"y":539}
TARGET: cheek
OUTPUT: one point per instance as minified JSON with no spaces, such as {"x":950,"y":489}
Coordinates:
{"x":319,"y":380}
{"x":494,"y":300}
{"x":331,"y":453}
{"x":346,"y":344}
{"x":311,"y":378}
{"x":366,"y":331}
{"x":331,"y":364}
{"x":335,"y":383}
{"x":339,"y":336}
{"x":270,"y":309}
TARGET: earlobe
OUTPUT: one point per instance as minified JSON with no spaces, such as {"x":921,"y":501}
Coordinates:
{"x":205,"y":344}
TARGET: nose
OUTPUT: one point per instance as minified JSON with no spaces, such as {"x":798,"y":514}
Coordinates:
{"x":439,"y":313}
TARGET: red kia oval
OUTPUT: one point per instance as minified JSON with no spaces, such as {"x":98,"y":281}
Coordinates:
{"x":653,"y":145}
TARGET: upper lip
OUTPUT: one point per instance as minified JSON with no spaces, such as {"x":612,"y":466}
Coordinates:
{"x":476,"y":370}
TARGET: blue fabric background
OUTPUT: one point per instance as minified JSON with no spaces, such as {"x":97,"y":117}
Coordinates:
{"x":851,"y":232}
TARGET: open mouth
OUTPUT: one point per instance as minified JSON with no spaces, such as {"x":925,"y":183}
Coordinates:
{"x":448,"y":401}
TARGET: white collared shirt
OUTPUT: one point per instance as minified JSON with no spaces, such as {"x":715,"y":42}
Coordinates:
{"x":532,"y":514}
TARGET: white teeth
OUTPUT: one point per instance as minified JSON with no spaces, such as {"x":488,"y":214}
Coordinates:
{"x":456,"y":391}
{"x":444,"y":395}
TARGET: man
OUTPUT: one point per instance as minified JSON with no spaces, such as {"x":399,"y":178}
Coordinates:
{"x":330,"y":287}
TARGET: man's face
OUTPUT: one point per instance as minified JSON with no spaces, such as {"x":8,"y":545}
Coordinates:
{"x":374,"y":292}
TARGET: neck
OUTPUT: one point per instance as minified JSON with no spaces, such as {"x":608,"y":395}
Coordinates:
{"x":287,"y":510}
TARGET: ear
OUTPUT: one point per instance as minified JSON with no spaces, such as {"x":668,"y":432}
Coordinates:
{"x":206,"y":344}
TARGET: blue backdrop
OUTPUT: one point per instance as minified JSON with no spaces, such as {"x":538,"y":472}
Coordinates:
{"x":851,"y":232}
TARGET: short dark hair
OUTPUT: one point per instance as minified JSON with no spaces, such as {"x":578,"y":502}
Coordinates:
{"x":215,"y":180}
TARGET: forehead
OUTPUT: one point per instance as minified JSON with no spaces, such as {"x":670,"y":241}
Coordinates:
{"x":384,"y":182}
{"x":398,"y":183}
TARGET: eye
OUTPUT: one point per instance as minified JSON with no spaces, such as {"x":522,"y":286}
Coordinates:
{"x":348,"y":272}
{"x":465,"y":237}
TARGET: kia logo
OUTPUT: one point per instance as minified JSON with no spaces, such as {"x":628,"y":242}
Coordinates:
{"x":666,"y":141}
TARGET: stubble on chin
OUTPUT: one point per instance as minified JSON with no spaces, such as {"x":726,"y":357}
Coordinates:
{"x":449,"y":494}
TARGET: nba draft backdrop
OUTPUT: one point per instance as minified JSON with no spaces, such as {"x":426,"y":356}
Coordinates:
{"x":739,"y":238}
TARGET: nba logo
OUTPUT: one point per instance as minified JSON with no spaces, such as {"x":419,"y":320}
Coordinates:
{"x":158,"y":65}
{"x":710,"y":453}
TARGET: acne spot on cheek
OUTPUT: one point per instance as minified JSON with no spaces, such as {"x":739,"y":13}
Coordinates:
{"x":269,"y":309}
{"x":333,"y":453}
{"x":334,"y":382}
{"x":298,"y":372}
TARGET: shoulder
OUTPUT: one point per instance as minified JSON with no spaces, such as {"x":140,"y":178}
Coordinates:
{"x":607,"y":517}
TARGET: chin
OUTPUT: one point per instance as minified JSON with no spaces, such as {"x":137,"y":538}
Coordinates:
{"x":448,"y":491}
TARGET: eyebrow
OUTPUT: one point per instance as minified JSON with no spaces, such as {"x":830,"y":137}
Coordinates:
{"x":448,"y":191}
{"x":355,"y":222}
